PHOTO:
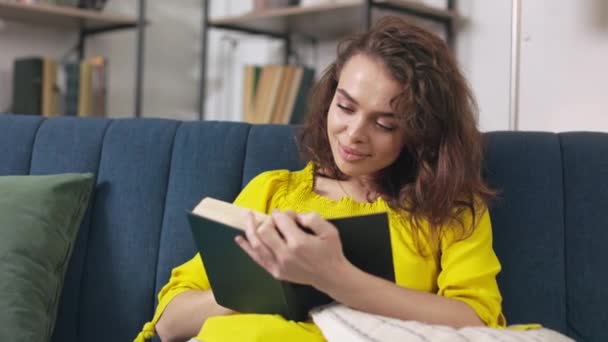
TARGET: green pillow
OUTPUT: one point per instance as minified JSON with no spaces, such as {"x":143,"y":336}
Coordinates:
{"x":39,"y":220}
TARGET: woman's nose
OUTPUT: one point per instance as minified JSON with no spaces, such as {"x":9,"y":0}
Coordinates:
{"x":356,"y":131}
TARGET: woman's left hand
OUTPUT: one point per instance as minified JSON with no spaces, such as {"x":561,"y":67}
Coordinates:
{"x":286,"y":251}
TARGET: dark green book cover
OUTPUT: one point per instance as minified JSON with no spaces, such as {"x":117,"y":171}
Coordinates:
{"x":72,"y":90}
{"x":27,"y":86}
{"x":240,"y":284}
{"x":300,"y":106}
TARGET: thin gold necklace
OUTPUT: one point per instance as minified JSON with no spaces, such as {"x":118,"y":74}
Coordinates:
{"x":349,"y":195}
{"x":343,"y":190}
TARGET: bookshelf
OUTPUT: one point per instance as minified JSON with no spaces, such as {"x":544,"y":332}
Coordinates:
{"x":321,"y":21}
{"x":62,"y":16}
{"x":318,"y":22}
{"x":87,"y":22}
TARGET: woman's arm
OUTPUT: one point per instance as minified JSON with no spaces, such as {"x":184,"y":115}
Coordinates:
{"x":185,"y":314}
{"x":365,"y":292}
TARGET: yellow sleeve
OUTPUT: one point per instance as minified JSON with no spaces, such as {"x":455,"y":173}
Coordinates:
{"x":188,"y":276}
{"x":260,"y":194}
{"x":468,"y":272}
{"x":258,"y":327}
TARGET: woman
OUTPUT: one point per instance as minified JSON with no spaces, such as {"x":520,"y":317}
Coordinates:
{"x":390,"y":129}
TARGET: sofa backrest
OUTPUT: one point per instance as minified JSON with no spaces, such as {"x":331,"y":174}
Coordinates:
{"x":549,"y":224}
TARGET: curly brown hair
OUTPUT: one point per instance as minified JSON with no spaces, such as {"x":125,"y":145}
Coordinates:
{"x":437,"y":176}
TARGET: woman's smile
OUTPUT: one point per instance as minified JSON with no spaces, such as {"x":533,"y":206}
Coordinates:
{"x":351,"y":155}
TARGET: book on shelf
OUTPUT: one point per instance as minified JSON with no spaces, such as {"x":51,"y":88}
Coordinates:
{"x":50,"y":91}
{"x":91,"y":4}
{"x":251,"y":76}
{"x":27,"y":86}
{"x":260,"y":5}
{"x":70,"y":87}
{"x":282,"y":94}
{"x":276,"y":93}
{"x":266,"y":99}
{"x":298,"y":100}
{"x":35,"y":88}
{"x":84,"y":4}
{"x":310,"y":3}
{"x":100,"y":85}
{"x":93,"y":87}
{"x":242,"y":285}
{"x":47,"y":87}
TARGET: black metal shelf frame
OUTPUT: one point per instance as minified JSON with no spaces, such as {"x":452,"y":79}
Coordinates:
{"x":368,"y":5}
{"x":85,"y":33}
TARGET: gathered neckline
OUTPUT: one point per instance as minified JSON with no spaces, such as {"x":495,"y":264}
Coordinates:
{"x":379,"y":204}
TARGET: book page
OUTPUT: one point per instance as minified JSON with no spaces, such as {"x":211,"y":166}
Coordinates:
{"x":226,"y":213}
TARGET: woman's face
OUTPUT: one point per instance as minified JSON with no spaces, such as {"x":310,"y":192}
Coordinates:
{"x":363,"y":131}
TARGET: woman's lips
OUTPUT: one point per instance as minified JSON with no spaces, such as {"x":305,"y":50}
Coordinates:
{"x":349,"y":154}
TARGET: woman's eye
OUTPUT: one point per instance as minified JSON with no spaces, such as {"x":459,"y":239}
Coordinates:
{"x":344,"y":108}
{"x":385,"y":127}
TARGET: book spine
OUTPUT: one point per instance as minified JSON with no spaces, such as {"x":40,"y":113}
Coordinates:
{"x":299,"y":109}
{"x":72,"y":72}
{"x":27,"y":86}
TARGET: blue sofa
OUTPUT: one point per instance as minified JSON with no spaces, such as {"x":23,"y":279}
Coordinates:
{"x":550,"y":224}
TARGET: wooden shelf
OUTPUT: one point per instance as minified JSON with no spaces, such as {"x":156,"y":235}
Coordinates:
{"x":322,"y":21}
{"x":62,"y":16}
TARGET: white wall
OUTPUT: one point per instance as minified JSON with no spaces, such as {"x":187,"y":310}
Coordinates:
{"x":483,"y":50}
{"x":564,"y":49}
{"x":564,"y":65}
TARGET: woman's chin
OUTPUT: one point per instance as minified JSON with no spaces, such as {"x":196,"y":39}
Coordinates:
{"x":350,"y":169}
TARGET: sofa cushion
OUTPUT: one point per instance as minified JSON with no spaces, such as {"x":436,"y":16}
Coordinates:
{"x":528,"y":225}
{"x":207,"y":160}
{"x":69,"y":144}
{"x":39,"y":220}
{"x":17,"y":135}
{"x":271,"y":147}
{"x":117,"y":283}
{"x":585,"y":165}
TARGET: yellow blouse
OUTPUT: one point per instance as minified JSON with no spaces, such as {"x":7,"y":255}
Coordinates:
{"x":464,"y":270}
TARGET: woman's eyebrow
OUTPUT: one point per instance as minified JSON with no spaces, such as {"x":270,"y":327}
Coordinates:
{"x":347,"y":95}
{"x":351,"y":99}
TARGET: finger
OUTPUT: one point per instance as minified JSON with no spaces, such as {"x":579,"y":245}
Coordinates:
{"x":255,"y":242}
{"x":253,"y":254}
{"x":249,"y":221}
{"x":314,"y":222}
{"x":286,"y":224}
{"x":290,"y":213}
{"x":269,"y":235}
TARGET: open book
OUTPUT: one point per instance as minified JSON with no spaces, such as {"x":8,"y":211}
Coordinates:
{"x":242,"y":285}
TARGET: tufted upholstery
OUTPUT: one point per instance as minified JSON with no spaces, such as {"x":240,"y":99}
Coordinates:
{"x":550,"y":224}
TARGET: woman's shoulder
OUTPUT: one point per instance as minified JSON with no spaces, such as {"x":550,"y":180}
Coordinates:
{"x":269,"y":189}
{"x":283,"y":175}
{"x":469,"y":223}
{"x":280,"y":182}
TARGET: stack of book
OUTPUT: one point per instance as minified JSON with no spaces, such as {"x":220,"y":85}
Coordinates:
{"x":86,"y":4}
{"x":276,"y":93}
{"x":43,"y":86}
{"x":260,"y":5}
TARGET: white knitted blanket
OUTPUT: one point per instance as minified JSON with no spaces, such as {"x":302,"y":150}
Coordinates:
{"x":340,"y":323}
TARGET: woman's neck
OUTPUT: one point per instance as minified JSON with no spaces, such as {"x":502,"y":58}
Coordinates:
{"x":358,"y":189}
